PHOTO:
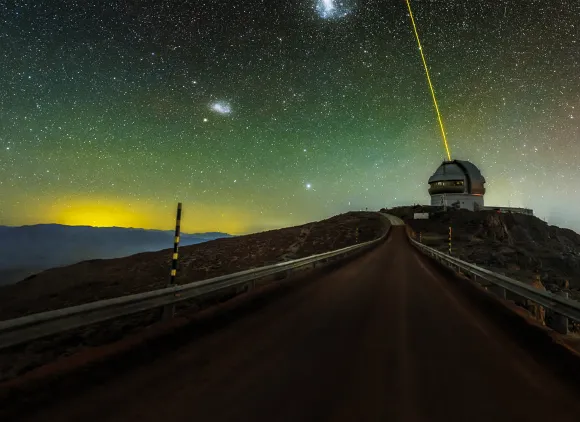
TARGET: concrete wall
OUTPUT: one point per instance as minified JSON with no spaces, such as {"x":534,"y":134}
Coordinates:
{"x":514,"y":210}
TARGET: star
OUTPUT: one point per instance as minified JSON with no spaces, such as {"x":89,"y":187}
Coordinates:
{"x":318,"y":96}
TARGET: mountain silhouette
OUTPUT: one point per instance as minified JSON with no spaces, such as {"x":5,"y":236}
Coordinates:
{"x":27,"y":250}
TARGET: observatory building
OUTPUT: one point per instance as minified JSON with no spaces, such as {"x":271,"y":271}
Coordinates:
{"x":457,"y":184}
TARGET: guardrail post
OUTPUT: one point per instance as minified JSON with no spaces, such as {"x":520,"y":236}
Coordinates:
{"x":560,"y":322}
{"x":497,"y":290}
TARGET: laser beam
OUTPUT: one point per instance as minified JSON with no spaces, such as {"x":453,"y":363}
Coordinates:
{"x":445,"y":143}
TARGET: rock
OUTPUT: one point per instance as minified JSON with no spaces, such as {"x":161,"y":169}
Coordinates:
{"x":507,"y":251}
{"x":513,"y":242}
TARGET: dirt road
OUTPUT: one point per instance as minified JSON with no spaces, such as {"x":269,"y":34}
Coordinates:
{"x":387,"y":337}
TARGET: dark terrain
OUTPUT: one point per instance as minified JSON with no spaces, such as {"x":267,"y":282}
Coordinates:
{"x":388,"y":336}
{"x":520,"y":246}
{"x":102,"y":279}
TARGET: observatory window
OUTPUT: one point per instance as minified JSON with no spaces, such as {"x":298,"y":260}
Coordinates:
{"x":449,"y":183}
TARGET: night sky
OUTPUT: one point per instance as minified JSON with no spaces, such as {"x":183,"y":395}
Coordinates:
{"x":262,"y":114}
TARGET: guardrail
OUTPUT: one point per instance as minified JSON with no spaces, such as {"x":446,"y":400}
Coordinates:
{"x":31,"y":327}
{"x":562,"y":306}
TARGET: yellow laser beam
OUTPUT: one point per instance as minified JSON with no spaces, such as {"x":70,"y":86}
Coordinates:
{"x":445,"y":143}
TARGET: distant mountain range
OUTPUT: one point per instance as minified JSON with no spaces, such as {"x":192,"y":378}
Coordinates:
{"x":27,"y":250}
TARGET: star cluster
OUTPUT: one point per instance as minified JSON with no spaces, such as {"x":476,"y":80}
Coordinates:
{"x":221,"y":107}
{"x":331,"y":9}
{"x":260,"y":114}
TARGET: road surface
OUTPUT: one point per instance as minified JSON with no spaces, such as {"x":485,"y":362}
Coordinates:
{"x":386,"y":337}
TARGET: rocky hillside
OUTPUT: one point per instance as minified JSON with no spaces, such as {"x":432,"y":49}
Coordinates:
{"x":520,"y":246}
{"x":101,"y":279}
{"x":93,"y":280}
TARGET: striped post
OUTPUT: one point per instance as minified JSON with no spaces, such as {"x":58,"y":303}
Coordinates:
{"x":169,"y":310}
{"x":449,"y":240}
{"x":420,"y":237}
{"x":175,"y":245}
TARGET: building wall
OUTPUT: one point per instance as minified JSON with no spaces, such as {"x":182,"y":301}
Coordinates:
{"x":513,"y":210}
{"x":465,"y":201}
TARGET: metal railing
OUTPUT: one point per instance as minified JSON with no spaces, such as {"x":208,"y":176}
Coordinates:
{"x":31,"y":327}
{"x":559,"y":305}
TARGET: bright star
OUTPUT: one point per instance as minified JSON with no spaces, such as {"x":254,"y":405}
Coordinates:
{"x":221,"y":107}
{"x":308,"y":186}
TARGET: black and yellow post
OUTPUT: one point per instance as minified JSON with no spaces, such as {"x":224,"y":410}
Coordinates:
{"x":449,"y":240}
{"x":175,"y":245}
{"x":169,"y":310}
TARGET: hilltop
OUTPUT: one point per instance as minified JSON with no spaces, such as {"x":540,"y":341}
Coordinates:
{"x":97,"y":279}
{"x":520,"y":246}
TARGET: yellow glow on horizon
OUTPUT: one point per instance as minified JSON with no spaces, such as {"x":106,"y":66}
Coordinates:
{"x":101,"y":214}
{"x":445,"y":143}
{"x":108,"y":213}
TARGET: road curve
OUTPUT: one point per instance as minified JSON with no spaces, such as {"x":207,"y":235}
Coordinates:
{"x":386,"y":337}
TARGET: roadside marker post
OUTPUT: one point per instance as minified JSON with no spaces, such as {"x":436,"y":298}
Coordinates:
{"x":560,"y":323}
{"x":449,"y":240}
{"x":169,"y":310}
{"x":175,"y":245}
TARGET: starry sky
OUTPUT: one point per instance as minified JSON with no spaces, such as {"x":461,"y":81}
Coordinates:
{"x":262,"y":114}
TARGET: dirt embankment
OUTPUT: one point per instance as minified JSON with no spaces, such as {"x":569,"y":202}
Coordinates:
{"x":521,"y":246}
{"x":102,"y":279}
